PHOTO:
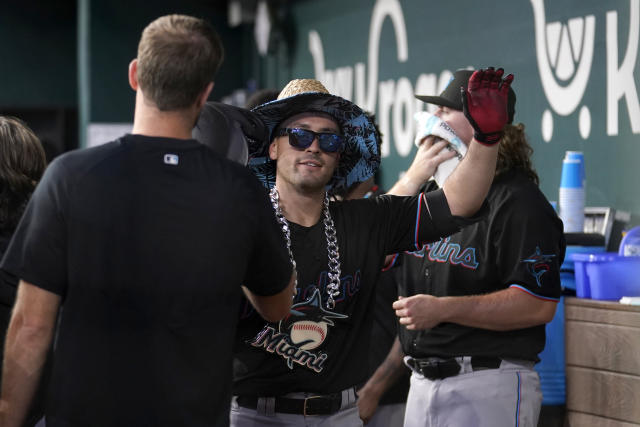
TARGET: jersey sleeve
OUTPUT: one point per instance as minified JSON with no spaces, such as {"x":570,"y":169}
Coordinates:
{"x":37,"y":253}
{"x":416,"y":220}
{"x":269,"y":267}
{"x":530,"y":247}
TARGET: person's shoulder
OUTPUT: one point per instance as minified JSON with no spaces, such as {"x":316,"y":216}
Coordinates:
{"x":239,"y":181}
{"x":514,"y":190}
{"x":84,"y":158}
{"x":361,"y":210}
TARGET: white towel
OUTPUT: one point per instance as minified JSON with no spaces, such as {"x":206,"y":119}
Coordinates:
{"x":428,"y":124}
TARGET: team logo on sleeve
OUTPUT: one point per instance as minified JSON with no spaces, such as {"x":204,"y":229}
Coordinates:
{"x":538,"y":264}
{"x":303,"y":330}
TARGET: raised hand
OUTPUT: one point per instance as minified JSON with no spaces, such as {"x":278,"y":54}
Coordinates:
{"x":485,"y":104}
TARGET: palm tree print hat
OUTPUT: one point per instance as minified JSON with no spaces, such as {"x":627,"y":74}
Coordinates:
{"x":360,"y":156}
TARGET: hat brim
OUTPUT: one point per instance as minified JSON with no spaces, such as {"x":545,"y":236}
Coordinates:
{"x":360,"y":156}
{"x":438,"y":100}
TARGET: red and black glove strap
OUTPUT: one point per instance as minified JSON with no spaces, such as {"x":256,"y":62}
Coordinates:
{"x":488,"y":139}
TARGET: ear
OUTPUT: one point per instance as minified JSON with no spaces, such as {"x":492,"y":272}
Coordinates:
{"x":202,"y":99}
{"x":133,"y":74}
{"x":273,"y":151}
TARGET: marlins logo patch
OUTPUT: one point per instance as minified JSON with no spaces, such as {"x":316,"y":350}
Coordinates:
{"x":308,"y":322}
{"x":302,"y":331}
{"x":538,"y":264}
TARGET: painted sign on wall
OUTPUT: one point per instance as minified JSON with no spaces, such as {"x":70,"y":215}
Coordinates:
{"x":575,"y":62}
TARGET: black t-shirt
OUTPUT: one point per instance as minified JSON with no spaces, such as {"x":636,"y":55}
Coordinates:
{"x":147,"y":241}
{"x":321,"y":350}
{"x":519,"y":244}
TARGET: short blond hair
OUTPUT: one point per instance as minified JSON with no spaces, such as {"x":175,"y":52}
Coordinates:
{"x":178,"y":56}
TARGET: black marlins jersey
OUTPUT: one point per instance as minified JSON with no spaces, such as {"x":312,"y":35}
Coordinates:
{"x":519,"y":244}
{"x":325,"y":350}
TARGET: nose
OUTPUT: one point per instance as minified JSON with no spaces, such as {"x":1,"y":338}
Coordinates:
{"x":315,"y":145}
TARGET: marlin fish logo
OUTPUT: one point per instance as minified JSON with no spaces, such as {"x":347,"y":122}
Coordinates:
{"x":538,"y":264}
{"x":308,"y":322}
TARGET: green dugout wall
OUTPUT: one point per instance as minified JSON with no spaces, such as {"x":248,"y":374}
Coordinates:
{"x":576,"y":65}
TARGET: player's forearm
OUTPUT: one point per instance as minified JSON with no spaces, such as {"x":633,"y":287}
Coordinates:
{"x":388,"y":372}
{"x":26,"y":350}
{"x":468,"y":185}
{"x":275,"y":307}
{"x":503,"y":310}
{"x":406,"y":186}
{"x":430,"y":154}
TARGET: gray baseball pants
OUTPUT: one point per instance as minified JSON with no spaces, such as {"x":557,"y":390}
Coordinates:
{"x":388,"y":416}
{"x":508,"y":396}
{"x":347,"y":416}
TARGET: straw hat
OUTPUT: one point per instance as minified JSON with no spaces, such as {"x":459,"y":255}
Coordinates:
{"x":360,"y":158}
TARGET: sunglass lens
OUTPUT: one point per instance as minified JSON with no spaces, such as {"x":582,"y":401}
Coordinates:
{"x":300,"y":138}
{"x":330,"y":142}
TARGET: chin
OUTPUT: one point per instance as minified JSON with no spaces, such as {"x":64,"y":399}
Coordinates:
{"x":312,"y":185}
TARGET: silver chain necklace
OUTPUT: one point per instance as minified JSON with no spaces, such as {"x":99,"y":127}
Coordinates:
{"x":333,"y":287}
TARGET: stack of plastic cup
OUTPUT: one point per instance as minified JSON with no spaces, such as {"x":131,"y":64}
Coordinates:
{"x":571,"y":200}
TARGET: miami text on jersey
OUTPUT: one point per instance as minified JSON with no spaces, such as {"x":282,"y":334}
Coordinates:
{"x":305,"y":329}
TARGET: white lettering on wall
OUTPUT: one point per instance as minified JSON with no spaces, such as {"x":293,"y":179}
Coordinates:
{"x":386,"y":102}
{"x":620,"y":81}
{"x":403,"y":124}
{"x":394,"y":100}
{"x":381,"y":10}
{"x":558,"y":48}
{"x":564,"y":54}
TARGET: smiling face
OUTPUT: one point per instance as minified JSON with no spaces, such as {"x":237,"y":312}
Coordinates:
{"x":306,"y":169}
{"x":458,"y":123}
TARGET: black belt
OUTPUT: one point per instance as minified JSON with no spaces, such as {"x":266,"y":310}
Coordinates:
{"x":435,"y":368}
{"x":314,"y":405}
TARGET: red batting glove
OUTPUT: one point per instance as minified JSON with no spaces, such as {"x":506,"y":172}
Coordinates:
{"x":485,"y":104}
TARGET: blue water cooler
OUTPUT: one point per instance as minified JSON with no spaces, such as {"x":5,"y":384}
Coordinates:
{"x":552,"y":360}
{"x":551,"y":367}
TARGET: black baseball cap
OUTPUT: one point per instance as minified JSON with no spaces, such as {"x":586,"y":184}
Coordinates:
{"x":451,"y":98}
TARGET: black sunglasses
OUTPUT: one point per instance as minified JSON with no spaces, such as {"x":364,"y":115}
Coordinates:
{"x":303,"y":138}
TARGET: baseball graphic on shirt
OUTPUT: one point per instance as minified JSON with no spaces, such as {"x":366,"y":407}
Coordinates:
{"x":308,"y":322}
{"x":308,"y":335}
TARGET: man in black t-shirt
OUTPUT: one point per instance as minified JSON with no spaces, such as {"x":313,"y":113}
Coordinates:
{"x":474,"y":305}
{"x":309,"y":363}
{"x":144,"y":242}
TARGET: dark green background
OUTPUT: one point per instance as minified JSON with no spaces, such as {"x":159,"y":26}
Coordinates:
{"x":39,"y":66}
{"x":456,"y":34}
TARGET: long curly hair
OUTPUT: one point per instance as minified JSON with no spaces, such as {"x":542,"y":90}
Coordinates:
{"x":22,"y":163}
{"x":515,"y":152}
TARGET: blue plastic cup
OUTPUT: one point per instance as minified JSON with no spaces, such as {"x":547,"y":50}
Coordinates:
{"x":572,"y":170}
{"x":570,"y":159}
{"x":572,"y":195}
